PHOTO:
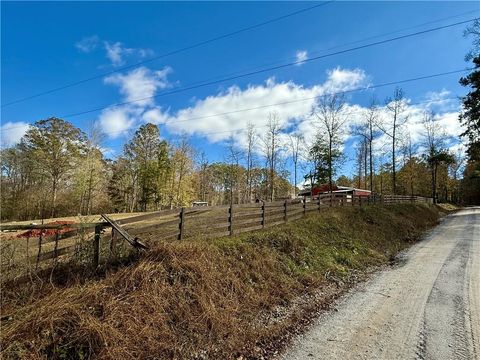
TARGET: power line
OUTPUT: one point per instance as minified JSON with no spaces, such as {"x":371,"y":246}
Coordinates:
{"x":241,"y":129}
{"x":290,"y":58}
{"x":375,"y":86}
{"x":248,"y":69}
{"x":255,"y":108}
{"x":192,"y":87}
{"x":173,"y":52}
{"x":232,"y":131}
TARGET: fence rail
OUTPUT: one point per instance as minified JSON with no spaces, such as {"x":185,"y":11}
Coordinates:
{"x":184,"y":223}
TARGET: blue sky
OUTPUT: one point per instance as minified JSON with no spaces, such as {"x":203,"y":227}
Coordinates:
{"x":50,"y":44}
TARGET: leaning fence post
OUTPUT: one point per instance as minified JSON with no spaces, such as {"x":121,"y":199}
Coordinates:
{"x":96,"y":246}
{"x":181,"y":225}
{"x":230,"y":219}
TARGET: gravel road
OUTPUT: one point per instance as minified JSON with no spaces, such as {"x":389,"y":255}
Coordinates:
{"x":427,"y":307}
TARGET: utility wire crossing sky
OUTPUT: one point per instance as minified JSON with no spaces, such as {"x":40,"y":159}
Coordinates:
{"x":128,"y":63}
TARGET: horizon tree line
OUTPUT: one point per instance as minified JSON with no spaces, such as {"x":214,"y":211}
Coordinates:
{"x":56,"y":169}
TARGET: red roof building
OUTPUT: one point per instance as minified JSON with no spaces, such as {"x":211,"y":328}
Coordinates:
{"x":325,"y":189}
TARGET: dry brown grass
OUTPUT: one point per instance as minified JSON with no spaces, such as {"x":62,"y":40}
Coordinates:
{"x":206,"y":299}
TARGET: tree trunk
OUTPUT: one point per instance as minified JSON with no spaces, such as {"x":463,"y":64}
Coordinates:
{"x":54,"y":197}
{"x":394,"y":182}
{"x":366,"y":162}
{"x":295,"y":180}
{"x":370,"y":151}
{"x":330,"y":164}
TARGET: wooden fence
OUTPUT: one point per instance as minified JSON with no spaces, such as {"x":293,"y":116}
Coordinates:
{"x":99,"y":242}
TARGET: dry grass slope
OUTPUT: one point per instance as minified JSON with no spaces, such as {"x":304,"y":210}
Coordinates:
{"x":208,"y":299}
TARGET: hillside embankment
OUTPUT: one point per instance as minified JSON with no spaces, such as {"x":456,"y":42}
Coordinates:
{"x":238,"y":297}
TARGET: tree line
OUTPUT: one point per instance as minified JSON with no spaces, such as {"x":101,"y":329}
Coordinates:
{"x":58,"y":170}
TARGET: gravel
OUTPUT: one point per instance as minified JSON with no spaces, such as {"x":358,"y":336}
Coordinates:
{"x":426,"y":307}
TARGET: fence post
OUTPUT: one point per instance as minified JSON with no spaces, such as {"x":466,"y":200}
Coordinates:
{"x":96,"y":246}
{"x":331,"y":198}
{"x":263,"y":214}
{"x":230,"y":219}
{"x":304,"y":206}
{"x":285,"y":210}
{"x":319,"y":203}
{"x":181,"y":226}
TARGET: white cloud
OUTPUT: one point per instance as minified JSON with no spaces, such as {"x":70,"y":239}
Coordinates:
{"x":140,"y":84}
{"x":301,"y":56}
{"x":88,"y":44}
{"x":155,"y":116}
{"x":12,"y":132}
{"x":342,"y":80}
{"x":437,"y":95}
{"x":117,"y":121}
{"x":116,"y":52}
{"x":296,"y":102}
{"x":293,"y":107}
{"x":442,"y":101}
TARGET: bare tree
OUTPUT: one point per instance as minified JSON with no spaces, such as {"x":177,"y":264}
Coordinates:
{"x":361,"y":151}
{"x":409,"y":150}
{"x":271,"y":148}
{"x":396,"y":106}
{"x":434,"y":142}
{"x":459,"y":157}
{"x":233,"y":158}
{"x":330,"y":113}
{"x":370,"y":119}
{"x":455,"y":168}
{"x":251,"y":138}
{"x":203,"y":162}
{"x":296,"y":144}
{"x":92,"y":164}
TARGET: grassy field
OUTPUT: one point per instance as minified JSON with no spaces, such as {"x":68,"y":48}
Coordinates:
{"x":228,"y":298}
